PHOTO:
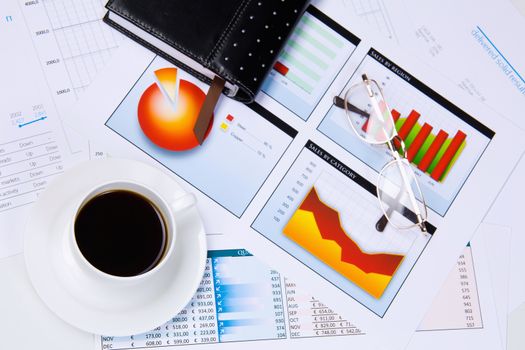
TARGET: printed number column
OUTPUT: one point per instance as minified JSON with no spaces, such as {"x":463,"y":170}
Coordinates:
{"x":308,"y":317}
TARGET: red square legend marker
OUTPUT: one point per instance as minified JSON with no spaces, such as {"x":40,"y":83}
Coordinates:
{"x":230,"y":118}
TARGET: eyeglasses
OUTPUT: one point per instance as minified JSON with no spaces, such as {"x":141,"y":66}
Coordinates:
{"x":398,"y":191}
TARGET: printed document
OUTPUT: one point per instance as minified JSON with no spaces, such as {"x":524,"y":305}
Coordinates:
{"x":478,"y":51}
{"x":241,"y":300}
{"x":33,"y":145}
{"x":59,"y":46}
{"x":419,"y":29}
{"x":275,"y":172}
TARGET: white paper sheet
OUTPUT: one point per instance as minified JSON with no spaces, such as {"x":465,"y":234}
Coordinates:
{"x":58,"y":48}
{"x":70,"y":37}
{"x":516,"y":337}
{"x":439,"y":321}
{"x":230,"y":194}
{"x":507,"y":210}
{"x":33,"y":147}
{"x":478,"y":51}
{"x":72,"y":45}
{"x":243,"y":300}
{"x":391,"y":18}
{"x":497,"y":242}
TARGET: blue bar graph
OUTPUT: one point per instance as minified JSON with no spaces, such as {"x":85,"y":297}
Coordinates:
{"x":248,"y":305}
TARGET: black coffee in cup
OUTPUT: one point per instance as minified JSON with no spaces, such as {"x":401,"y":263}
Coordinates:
{"x":121,"y":233}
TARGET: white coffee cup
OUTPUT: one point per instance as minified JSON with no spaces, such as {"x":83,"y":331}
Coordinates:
{"x":107,"y":286}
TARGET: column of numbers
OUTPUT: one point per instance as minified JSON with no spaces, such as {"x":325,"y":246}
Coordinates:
{"x":309,"y":317}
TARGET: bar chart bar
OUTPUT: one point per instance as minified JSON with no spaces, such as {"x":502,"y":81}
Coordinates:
{"x":449,"y":154}
{"x":408,"y":124}
{"x":303,"y":68}
{"x":432,"y":150}
{"x":395,"y":115}
{"x":415,"y":146}
{"x":315,"y":52}
{"x":245,"y":303}
{"x":281,"y":68}
{"x":432,"y":154}
{"x":322,"y":31}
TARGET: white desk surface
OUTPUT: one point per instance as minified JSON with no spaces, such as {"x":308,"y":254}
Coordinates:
{"x":25,"y":322}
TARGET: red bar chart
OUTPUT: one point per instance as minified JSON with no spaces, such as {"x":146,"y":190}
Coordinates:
{"x":442,"y":142}
{"x":434,"y":154}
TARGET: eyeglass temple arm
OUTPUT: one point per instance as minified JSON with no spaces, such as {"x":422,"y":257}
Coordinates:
{"x":340,"y":102}
{"x":383,"y":220}
{"x":412,"y":196}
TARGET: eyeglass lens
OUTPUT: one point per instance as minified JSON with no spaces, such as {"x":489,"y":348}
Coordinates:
{"x":368,"y":113}
{"x":400,"y":195}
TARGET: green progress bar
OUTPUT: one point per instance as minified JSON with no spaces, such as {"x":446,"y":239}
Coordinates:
{"x":309,"y":22}
{"x":295,"y":63}
{"x":315,"y":43}
{"x":314,"y":59}
{"x":299,"y":82}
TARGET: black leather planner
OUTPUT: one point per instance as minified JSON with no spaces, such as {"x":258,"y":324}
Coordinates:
{"x":237,"y":40}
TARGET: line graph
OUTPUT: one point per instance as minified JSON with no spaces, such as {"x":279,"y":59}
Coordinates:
{"x":21,"y":125}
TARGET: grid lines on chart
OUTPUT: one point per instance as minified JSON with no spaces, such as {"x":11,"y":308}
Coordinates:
{"x":374,"y":13}
{"x":86,"y":44}
{"x":358,"y":216}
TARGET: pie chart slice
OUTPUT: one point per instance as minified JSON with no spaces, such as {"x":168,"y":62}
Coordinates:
{"x":168,"y":109}
{"x":167,"y":77}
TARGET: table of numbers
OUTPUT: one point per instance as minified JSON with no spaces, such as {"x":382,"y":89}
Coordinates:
{"x":26,"y":166}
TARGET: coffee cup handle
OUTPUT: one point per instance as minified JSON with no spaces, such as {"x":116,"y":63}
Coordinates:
{"x":184,"y":202}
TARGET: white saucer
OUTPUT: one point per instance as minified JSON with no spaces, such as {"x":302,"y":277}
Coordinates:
{"x":71,"y":296}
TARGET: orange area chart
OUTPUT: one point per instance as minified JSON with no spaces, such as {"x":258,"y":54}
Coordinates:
{"x":317,"y":228}
{"x":168,"y":109}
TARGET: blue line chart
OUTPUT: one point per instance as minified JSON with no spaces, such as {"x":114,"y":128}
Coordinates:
{"x":21,"y":125}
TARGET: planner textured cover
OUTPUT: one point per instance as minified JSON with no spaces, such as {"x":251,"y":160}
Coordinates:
{"x":237,"y":40}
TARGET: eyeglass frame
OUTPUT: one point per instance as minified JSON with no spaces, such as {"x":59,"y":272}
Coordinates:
{"x":394,"y":150}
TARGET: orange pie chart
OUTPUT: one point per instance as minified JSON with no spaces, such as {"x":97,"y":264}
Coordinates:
{"x":168,"y":110}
